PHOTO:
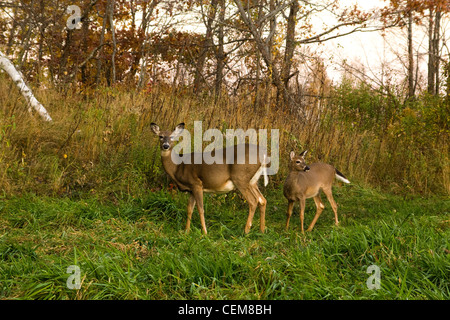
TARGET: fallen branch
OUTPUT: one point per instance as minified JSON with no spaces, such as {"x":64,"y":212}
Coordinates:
{"x":17,"y":77}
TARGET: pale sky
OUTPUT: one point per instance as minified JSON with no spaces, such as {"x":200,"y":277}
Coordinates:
{"x":361,"y":48}
{"x":377,"y":53}
{"x":369,"y":51}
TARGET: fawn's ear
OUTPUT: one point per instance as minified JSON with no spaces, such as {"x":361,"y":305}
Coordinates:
{"x":303,"y":154}
{"x":292,"y":155}
{"x":154,"y":128}
{"x":178,"y":130}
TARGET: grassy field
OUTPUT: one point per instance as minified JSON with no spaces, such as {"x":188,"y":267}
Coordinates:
{"x":89,"y":190}
{"x":135,"y":248}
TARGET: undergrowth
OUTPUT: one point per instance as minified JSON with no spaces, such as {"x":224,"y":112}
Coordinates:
{"x":100,"y":141}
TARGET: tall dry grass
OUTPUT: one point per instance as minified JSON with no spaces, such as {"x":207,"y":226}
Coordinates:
{"x":100,"y":141}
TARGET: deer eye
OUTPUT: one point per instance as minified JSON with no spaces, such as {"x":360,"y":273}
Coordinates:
{"x":161,"y":137}
{"x":298,"y":162}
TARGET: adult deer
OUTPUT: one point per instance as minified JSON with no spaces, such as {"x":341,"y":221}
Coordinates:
{"x":216,"y":177}
{"x":305,"y":182}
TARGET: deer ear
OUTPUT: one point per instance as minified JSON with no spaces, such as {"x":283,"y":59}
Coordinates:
{"x":292,"y":155}
{"x":178,"y":129}
{"x":303,"y":154}
{"x":154,"y":128}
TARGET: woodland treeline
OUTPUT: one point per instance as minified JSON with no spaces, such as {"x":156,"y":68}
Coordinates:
{"x":254,"y":46}
{"x":233,"y":64}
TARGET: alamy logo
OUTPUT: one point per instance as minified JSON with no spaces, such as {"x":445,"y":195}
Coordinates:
{"x":374,"y":281}
{"x":213,"y":153}
{"x":74,"y":21}
{"x":74,"y":280}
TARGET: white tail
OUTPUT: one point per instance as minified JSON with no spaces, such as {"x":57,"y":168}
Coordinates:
{"x":342,"y":178}
{"x":264,"y":166}
{"x":198,"y":178}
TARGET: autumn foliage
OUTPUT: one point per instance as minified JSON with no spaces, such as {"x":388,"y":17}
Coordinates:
{"x":232,"y":64}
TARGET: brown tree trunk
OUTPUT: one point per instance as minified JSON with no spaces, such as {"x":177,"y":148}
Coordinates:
{"x":410,"y":57}
{"x":437,"y":25}
{"x":290,"y":42}
{"x":220,"y":51}
{"x":207,"y":42}
{"x":431,"y":77}
{"x":113,"y":37}
{"x":434,"y":24}
{"x":265,"y":50}
{"x":99,"y":58}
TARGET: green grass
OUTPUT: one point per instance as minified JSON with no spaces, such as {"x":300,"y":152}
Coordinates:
{"x":135,"y":248}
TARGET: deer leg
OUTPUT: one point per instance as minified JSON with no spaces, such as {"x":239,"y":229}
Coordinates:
{"x":252,"y":204}
{"x":262,"y":202}
{"x":198,"y":195}
{"x":320,"y":208}
{"x":190,"y":209}
{"x":330,"y":198}
{"x":289,"y":212}
{"x":302,"y":212}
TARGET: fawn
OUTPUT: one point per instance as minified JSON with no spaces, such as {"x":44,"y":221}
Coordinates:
{"x":305,"y":182}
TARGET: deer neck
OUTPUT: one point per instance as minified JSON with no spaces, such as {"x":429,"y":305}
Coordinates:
{"x":169,"y":166}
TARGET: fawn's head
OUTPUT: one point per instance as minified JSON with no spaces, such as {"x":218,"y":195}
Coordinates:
{"x":298,"y":163}
{"x":167,"y":138}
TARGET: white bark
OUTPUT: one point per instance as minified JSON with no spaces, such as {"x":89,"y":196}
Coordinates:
{"x":17,"y":77}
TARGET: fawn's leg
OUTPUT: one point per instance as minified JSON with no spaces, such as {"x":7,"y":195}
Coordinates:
{"x":320,"y":208}
{"x":302,"y":212}
{"x":330,"y":198}
{"x":289,"y":212}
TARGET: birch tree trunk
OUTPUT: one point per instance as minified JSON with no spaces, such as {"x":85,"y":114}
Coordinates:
{"x":17,"y":77}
